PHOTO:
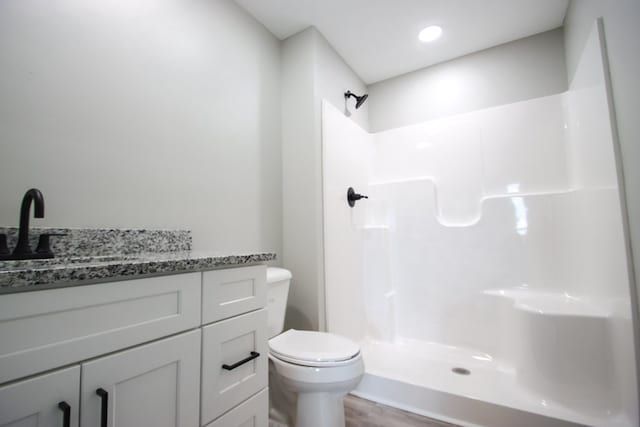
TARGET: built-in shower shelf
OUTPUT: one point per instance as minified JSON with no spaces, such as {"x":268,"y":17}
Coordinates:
{"x":551,"y":303}
{"x":564,"y":339}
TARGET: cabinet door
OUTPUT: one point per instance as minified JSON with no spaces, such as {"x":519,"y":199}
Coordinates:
{"x":36,"y":402}
{"x":156,"y":384}
{"x":234,"y":362}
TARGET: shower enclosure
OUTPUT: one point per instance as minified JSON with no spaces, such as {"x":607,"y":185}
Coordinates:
{"x":486,"y":277}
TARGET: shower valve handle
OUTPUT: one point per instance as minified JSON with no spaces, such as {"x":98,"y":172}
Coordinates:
{"x":353,"y":197}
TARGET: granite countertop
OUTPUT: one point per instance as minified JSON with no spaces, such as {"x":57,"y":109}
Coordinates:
{"x":17,"y":276}
{"x":81,"y":261}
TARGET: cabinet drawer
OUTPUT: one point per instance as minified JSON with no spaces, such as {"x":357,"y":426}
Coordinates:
{"x":251,"y":413}
{"x":233,"y":291}
{"x":228,"y":342}
{"x":34,"y":402}
{"x":50,"y":328}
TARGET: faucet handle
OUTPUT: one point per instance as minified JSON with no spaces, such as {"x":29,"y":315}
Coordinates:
{"x":44,"y":249}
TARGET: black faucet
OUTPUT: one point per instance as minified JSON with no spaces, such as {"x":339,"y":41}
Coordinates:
{"x":22,"y":249}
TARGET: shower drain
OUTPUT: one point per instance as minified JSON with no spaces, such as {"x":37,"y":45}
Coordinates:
{"x":460,"y":371}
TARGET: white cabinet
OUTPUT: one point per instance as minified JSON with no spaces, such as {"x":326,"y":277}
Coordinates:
{"x":147,"y":352}
{"x":155,"y":384}
{"x":42,"y":401}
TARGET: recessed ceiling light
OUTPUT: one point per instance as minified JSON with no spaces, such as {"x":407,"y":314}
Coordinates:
{"x":430,"y":34}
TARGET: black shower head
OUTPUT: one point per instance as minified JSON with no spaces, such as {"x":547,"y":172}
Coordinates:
{"x":359,"y":99}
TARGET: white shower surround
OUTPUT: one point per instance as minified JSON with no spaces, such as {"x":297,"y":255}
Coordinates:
{"x":493,"y":241}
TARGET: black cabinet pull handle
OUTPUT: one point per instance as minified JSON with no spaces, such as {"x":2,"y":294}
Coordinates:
{"x":66,"y":413}
{"x":254,"y":354}
{"x":104,"y":410}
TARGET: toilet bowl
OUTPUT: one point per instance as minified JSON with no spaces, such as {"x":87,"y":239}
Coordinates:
{"x":309,"y":372}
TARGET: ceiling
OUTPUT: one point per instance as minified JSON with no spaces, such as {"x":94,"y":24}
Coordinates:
{"x":379,"y":38}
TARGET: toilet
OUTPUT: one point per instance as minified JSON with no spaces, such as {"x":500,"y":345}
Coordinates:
{"x":309,"y":372}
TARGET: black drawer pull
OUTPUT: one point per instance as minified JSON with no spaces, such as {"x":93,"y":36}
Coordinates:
{"x":254,"y":354}
{"x":104,"y":410}
{"x":66,"y":413}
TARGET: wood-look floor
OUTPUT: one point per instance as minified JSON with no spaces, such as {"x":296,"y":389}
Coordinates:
{"x":365,"y":413}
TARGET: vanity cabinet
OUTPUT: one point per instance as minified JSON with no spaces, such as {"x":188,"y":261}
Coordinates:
{"x":184,"y":350}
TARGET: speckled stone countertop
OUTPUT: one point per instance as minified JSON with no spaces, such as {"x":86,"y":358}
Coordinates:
{"x":18,"y":276}
{"x":109,"y":262}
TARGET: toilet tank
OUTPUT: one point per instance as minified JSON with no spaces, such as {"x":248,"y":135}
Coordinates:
{"x":278,"y":280}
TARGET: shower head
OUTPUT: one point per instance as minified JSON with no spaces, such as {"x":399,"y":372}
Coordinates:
{"x":359,"y":99}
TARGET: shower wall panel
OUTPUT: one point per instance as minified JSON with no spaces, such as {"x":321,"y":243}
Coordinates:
{"x":347,"y":160}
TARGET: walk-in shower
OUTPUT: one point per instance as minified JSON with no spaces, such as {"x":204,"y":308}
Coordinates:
{"x":486,"y":275}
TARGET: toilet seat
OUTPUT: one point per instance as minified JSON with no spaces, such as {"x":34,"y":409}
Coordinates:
{"x":313,"y":349}
{"x":319,"y":377}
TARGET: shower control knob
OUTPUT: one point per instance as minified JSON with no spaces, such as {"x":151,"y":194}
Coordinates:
{"x":353,"y":197}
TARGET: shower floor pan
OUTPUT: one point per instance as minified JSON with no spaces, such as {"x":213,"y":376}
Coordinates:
{"x":461,"y":386}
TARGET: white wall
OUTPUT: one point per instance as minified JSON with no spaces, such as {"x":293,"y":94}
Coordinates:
{"x":300,"y":171}
{"x":523,"y":69}
{"x":622,"y":35}
{"x":333,"y":78}
{"x":142,"y":113}
{"x":311,"y":71}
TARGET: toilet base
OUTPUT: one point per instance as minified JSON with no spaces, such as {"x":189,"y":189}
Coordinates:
{"x":310,"y":396}
{"x":320,"y":410}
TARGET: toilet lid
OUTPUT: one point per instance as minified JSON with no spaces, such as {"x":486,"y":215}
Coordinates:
{"x":312,"y":347}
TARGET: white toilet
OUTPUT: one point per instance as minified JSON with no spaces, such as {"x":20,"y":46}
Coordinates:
{"x":309,"y":372}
